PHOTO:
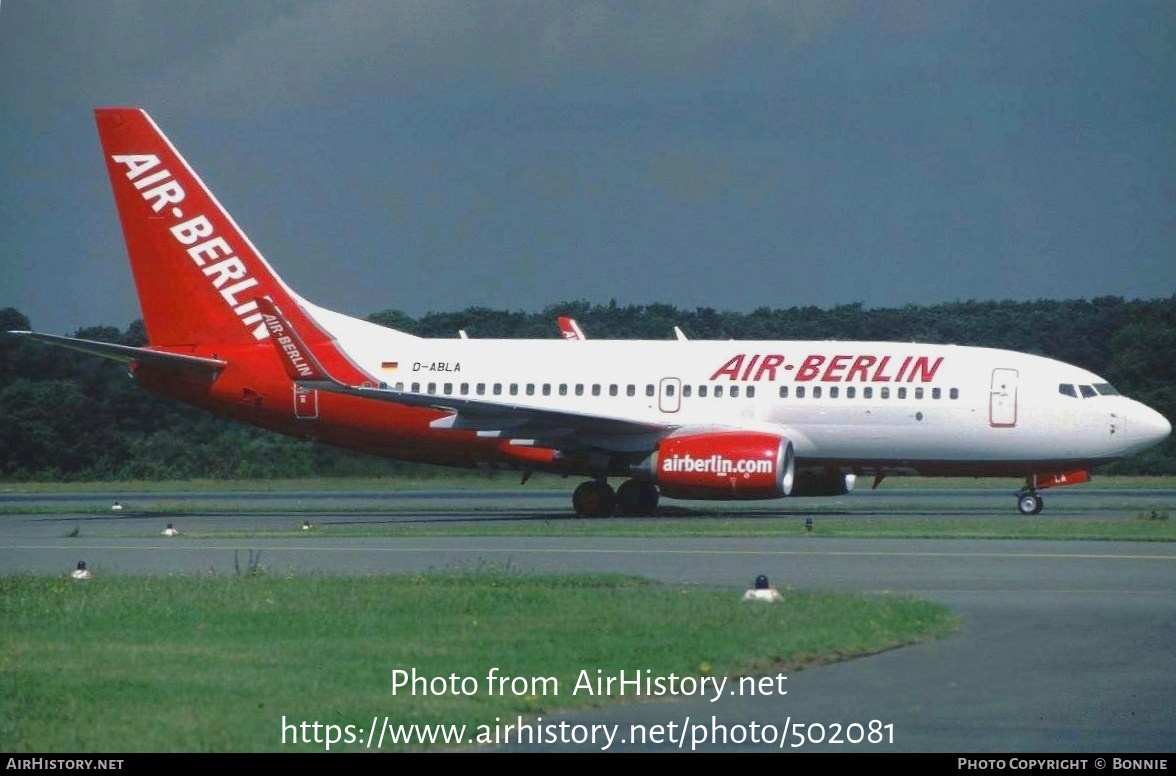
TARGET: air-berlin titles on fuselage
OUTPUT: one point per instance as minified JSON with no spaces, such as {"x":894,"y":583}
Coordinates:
{"x":160,"y":189}
{"x":845,"y":368}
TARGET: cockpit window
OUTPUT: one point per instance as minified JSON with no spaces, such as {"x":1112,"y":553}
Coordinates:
{"x":1088,"y":391}
{"x":1105,"y":389}
{"x":1065,"y":389}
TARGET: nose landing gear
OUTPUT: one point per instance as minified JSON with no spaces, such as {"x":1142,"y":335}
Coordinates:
{"x":1030,"y":503}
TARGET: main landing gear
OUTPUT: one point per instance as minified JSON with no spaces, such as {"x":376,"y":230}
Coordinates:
{"x":596,"y":498}
{"x":637,"y":498}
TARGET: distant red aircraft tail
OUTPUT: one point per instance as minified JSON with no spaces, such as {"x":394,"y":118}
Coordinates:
{"x":570,"y":329}
{"x":197,"y":274}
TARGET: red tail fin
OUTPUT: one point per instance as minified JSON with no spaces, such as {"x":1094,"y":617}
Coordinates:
{"x":197,"y":274}
{"x":570,"y":329}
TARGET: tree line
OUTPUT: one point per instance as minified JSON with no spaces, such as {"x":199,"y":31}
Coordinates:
{"x":67,"y":416}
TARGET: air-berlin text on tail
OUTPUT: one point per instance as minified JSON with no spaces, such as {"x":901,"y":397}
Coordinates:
{"x":197,"y":235}
{"x":842,"y":368}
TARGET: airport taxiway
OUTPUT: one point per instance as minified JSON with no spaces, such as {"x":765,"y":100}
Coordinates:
{"x":1064,"y":646}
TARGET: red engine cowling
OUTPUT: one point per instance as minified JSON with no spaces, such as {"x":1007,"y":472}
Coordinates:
{"x":724,"y":465}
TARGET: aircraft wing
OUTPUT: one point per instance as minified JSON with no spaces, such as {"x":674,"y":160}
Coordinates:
{"x":487,"y":418}
{"x":129,"y":354}
{"x":478,"y":413}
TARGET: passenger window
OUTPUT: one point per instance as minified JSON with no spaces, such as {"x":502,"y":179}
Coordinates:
{"x":800,"y":391}
{"x":448,"y":389}
{"x":613,"y":390}
{"x":497,"y":389}
{"x":783,"y":391}
{"x":850,"y":392}
{"x":885,"y":393}
{"x":686,"y":389}
{"x":902,"y":393}
{"x":735,"y":391}
{"x":465,"y":389}
{"x":816,"y":391}
{"x":432,"y":388}
{"x":834,"y":392}
{"x":918,"y":393}
{"x":514,"y":389}
{"x":579,"y":389}
{"x":751,"y":391}
{"x":630,"y":390}
{"x":416,"y":387}
{"x":650,"y":390}
{"x":596,"y":389}
{"x":669,"y":390}
{"x":530,"y":389}
{"x":481,"y":389}
{"x":868,"y":392}
{"x":718,"y":391}
{"x":563,"y":389}
{"x":702,"y":391}
{"x":936,"y":393}
{"x":547,"y":389}
{"x":954,"y":393}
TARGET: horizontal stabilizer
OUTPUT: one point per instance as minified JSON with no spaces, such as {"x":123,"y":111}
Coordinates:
{"x":128,"y":354}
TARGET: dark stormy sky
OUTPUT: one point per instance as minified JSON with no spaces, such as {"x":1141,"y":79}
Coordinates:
{"x":434,"y":155}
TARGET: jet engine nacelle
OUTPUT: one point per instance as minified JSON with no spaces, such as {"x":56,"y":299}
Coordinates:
{"x":724,"y":465}
{"x":822,"y":482}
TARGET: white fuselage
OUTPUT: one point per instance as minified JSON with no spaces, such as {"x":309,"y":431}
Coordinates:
{"x":837,"y":401}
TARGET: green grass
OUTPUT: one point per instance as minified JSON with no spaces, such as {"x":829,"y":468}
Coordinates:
{"x":130,"y":664}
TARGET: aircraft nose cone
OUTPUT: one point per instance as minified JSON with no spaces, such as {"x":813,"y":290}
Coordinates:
{"x":1151,"y":427}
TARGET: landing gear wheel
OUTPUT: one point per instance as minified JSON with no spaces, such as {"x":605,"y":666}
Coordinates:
{"x":1030,"y":504}
{"x":594,"y":499}
{"x":637,"y":498}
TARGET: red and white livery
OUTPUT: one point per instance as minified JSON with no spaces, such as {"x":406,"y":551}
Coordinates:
{"x":687,"y":419}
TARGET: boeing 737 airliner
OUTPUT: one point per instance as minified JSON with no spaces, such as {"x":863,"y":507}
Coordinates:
{"x":686,"y":419}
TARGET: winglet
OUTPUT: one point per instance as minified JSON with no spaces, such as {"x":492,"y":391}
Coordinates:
{"x":300,"y":364}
